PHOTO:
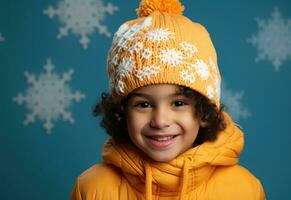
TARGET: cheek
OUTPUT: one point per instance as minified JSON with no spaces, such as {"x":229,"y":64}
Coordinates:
{"x":135,"y":124}
{"x":191,"y":123}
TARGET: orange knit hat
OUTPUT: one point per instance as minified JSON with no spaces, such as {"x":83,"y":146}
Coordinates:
{"x":163,"y":46}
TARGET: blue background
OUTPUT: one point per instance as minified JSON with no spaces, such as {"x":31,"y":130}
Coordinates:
{"x":35,"y":165}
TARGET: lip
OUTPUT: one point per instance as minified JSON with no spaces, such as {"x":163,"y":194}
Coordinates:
{"x":161,"y":144}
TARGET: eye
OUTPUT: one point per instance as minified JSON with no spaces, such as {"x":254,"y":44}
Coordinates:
{"x":179,"y":103}
{"x":143,"y":105}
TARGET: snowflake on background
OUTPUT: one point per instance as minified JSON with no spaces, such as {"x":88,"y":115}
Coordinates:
{"x":2,"y":39}
{"x":273,"y":39}
{"x":81,"y":17}
{"x":48,"y":97}
{"x":232,"y":102}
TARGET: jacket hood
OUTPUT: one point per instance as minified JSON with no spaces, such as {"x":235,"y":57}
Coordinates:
{"x":182,"y":174}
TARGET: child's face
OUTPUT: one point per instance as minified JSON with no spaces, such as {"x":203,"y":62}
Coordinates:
{"x":161,"y":122}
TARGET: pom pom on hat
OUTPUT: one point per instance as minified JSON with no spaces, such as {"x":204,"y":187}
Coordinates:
{"x":146,"y":7}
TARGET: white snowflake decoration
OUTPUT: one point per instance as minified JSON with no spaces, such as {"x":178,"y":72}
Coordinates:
{"x":147,"y":72}
{"x":159,"y":34}
{"x":48,"y":97}
{"x":81,"y":17}
{"x":232,"y":101}
{"x":126,"y":66}
{"x":2,"y":39}
{"x":121,"y":30}
{"x":273,"y":39}
{"x":123,"y":35}
{"x":114,"y":60}
{"x":216,"y":77}
{"x":136,"y":47}
{"x":147,"y":22}
{"x":172,"y":57}
{"x":187,"y":76}
{"x":119,"y":87}
{"x":202,"y":69}
{"x":217,"y":87}
{"x":210,"y":92}
{"x":213,"y":65}
{"x":188,"y":48}
{"x":126,"y":34}
{"x":146,"y":54}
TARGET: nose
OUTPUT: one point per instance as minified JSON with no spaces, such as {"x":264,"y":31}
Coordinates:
{"x":161,"y":118}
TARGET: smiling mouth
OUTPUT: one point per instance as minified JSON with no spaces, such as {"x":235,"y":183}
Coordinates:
{"x":161,"y":138}
{"x":159,"y":142}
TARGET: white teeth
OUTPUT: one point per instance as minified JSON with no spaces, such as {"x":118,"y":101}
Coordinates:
{"x":162,"y":138}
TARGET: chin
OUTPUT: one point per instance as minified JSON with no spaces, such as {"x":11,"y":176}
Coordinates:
{"x":162,"y":158}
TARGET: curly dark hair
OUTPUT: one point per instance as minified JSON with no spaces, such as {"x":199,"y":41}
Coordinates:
{"x":114,"y":120}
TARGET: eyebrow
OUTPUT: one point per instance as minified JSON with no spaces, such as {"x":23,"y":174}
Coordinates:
{"x":148,"y":96}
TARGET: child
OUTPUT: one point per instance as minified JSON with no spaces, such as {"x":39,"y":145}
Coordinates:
{"x":170,"y":138}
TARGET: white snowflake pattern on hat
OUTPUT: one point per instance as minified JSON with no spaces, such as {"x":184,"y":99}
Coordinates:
{"x":119,"y":87}
{"x":159,"y":34}
{"x":136,"y":47}
{"x":172,"y":57}
{"x":202,"y":69}
{"x":216,"y":77}
{"x":121,"y":30}
{"x":217,"y":87}
{"x":210,"y":92}
{"x":126,"y":66}
{"x":146,"y":54}
{"x":188,"y":48}
{"x":147,"y":22}
{"x":114,"y":60}
{"x":147,"y":72}
{"x":187,"y":76}
{"x":126,"y":33}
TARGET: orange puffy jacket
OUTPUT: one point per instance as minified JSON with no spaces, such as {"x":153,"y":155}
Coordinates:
{"x":209,"y":171}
